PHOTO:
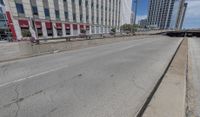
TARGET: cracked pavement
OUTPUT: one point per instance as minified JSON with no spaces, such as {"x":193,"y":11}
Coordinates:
{"x":110,"y":80}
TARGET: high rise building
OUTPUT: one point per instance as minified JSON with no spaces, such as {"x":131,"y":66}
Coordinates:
{"x":4,"y":28}
{"x":132,"y":17}
{"x":165,"y":14}
{"x":127,"y":15}
{"x":60,"y":18}
{"x":178,"y":14}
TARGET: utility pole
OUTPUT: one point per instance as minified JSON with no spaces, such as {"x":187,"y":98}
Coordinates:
{"x":134,"y":22}
{"x":136,"y":5}
{"x":32,"y":21}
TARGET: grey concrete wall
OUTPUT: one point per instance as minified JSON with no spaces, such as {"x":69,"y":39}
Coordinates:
{"x":11,"y":51}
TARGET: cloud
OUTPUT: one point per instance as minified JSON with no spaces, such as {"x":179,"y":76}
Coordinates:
{"x":138,"y":18}
{"x":192,"y":18}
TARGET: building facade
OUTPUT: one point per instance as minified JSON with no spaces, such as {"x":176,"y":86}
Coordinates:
{"x":162,"y":12}
{"x":178,"y":15}
{"x":127,"y":14}
{"x":4,"y":29}
{"x":60,"y":18}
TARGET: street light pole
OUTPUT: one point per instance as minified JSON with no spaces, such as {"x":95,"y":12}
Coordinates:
{"x":134,"y":22}
{"x":136,"y":5}
{"x":32,"y":21}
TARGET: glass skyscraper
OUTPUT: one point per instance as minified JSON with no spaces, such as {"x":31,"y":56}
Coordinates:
{"x":165,"y":14}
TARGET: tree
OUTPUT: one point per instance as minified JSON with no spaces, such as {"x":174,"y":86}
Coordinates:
{"x":113,"y":31}
{"x":83,"y":31}
{"x":129,"y":28}
{"x":26,"y":33}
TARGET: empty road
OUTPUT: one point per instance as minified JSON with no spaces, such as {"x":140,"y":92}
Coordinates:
{"x":111,"y":80}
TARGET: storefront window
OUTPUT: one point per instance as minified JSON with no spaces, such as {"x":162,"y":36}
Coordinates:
{"x":59,"y":32}
{"x":67,"y":31}
{"x":50,"y":32}
{"x":25,"y":32}
{"x":39,"y":31}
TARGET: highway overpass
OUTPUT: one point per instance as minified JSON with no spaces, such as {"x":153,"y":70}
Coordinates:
{"x":182,"y":33}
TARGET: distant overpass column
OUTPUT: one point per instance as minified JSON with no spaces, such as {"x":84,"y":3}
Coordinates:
{"x":183,"y":15}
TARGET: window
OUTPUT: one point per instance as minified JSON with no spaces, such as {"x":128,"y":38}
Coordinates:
{"x":20,"y":8}
{"x":68,"y":32}
{"x":87,"y":17}
{"x":81,"y":18}
{"x":74,"y":17}
{"x":35,"y":10}
{"x":1,"y":2}
{"x":66,"y":15}
{"x":3,"y":24}
{"x":57,"y":14}
{"x":80,"y":2}
{"x":46,"y":12}
{"x":1,"y":11}
{"x":86,"y":3}
{"x":59,"y":32}
{"x":92,"y":5}
{"x":50,"y":32}
{"x":39,"y":31}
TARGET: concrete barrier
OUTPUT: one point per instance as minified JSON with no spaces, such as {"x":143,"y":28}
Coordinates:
{"x":18,"y":50}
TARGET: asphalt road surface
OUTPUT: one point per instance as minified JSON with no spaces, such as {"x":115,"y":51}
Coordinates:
{"x":194,"y":52}
{"x":111,"y":80}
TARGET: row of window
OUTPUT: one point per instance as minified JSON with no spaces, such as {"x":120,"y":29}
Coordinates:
{"x":26,"y":32}
{"x":1,"y":2}
{"x":1,"y":10}
{"x":20,"y":10}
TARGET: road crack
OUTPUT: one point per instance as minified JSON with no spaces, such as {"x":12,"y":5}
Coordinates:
{"x":17,"y":102}
{"x":136,"y":84}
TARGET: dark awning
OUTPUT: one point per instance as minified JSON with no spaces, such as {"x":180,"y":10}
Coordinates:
{"x":67,"y":26}
{"x":87,"y":27}
{"x":23,"y":23}
{"x":38,"y":24}
{"x":58,"y":25}
{"x":75,"y":27}
{"x":48,"y":25}
{"x":82,"y":27}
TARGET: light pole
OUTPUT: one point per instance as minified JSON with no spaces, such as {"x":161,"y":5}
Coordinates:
{"x":32,"y":22}
{"x":134,"y":22}
{"x":136,"y":5}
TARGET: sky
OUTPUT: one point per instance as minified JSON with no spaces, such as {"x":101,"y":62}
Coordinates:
{"x":192,"y":18}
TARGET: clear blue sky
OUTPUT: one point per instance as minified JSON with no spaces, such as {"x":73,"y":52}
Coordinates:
{"x":142,"y":7}
{"x":192,"y":18}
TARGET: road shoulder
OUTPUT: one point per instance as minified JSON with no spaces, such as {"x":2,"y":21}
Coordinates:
{"x":169,"y":99}
{"x":193,"y":87}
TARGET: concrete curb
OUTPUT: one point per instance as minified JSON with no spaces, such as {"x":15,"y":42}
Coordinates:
{"x":169,"y":99}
